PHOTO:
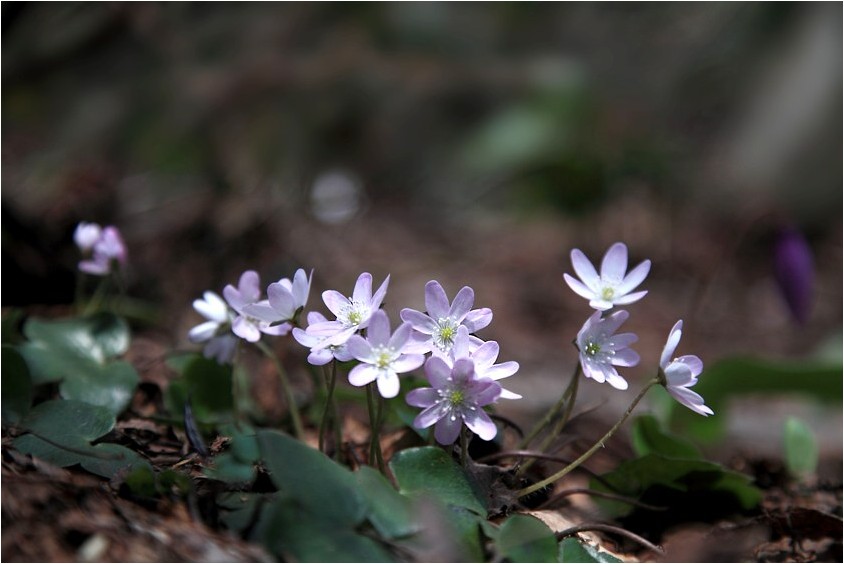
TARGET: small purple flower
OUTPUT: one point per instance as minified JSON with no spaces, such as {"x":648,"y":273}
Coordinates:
{"x":600,"y":348}
{"x":353,"y":314}
{"x":86,"y":235}
{"x":286,"y":299}
{"x":612,"y":287}
{"x":219,"y":342}
{"x":108,"y":249}
{"x":795,"y":272}
{"x":248,"y":292}
{"x":436,"y":330}
{"x":484,"y":357}
{"x":457,"y":397}
{"x":381,"y":355}
{"x":320,"y":355}
{"x":681,"y":373}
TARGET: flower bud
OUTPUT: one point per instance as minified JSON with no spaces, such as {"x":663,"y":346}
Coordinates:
{"x":795,"y":272}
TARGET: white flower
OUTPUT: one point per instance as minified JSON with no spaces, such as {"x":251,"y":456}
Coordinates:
{"x":612,"y":287}
{"x":86,"y":235}
{"x":108,"y":249}
{"x":600,"y":349}
{"x":285,"y":299}
{"x":248,"y":292}
{"x":381,"y":356}
{"x":320,"y":355}
{"x":353,"y":314}
{"x":220,"y":343}
{"x":681,"y":373}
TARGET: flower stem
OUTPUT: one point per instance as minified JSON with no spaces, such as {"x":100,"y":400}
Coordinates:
{"x":549,"y":416}
{"x":600,"y":443}
{"x":328,"y":410}
{"x":375,"y":456}
{"x":464,"y":447}
{"x":286,"y":389}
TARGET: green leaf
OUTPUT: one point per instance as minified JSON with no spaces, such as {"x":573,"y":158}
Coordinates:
{"x":61,"y":420}
{"x":389,"y":512}
{"x":572,"y":550}
{"x":104,"y":459}
{"x":635,"y":477}
{"x":210,"y":386}
{"x":229,"y":469}
{"x":315,"y":481}
{"x":429,"y":471}
{"x":801,"y":448}
{"x":523,"y":538}
{"x":648,"y":437}
{"x":121,"y":459}
{"x":98,"y":337}
{"x":16,"y":388}
{"x":110,"y":386}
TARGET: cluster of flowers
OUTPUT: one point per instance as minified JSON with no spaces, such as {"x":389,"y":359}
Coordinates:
{"x":103,"y":246}
{"x":460,"y":367}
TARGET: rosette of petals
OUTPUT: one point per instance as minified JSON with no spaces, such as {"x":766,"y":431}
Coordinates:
{"x":601,"y":349}
{"x":457,"y":397}
{"x":613,"y":287}
{"x":484,"y":357}
{"x":381,"y":356}
{"x":86,"y":235}
{"x":248,"y":292}
{"x":108,"y":249}
{"x":320,"y":355}
{"x":219,"y":342}
{"x":436,"y":330}
{"x":681,"y":373}
{"x":353,"y":314}
{"x":286,"y":299}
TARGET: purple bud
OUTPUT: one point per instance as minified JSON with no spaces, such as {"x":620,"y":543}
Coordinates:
{"x":795,"y":271}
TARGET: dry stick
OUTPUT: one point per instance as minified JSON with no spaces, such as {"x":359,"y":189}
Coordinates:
{"x":288,"y":391}
{"x":608,"y":529}
{"x":599,"y":444}
{"x":605,"y":495}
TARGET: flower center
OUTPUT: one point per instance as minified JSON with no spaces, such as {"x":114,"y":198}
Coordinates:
{"x":607,"y":293}
{"x":445,"y":333}
{"x":354,"y":313}
{"x":383,"y":357}
{"x":592,"y":348}
{"x":456,"y":398}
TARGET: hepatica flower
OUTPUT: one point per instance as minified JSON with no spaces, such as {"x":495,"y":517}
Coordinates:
{"x":457,"y":397}
{"x":248,"y":292}
{"x":436,"y":330}
{"x":484,"y":358}
{"x":353,"y":314}
{"x":601,"y":350}
{"x":613,"y":287}
{"x":286,"y":299}
{"x":106,"y":246}
{"x":320,"y":355}
{"x":795,"y":272}
{"x":215,"y":332}
{"x":682,"y":373}
{"x":381,"y":356}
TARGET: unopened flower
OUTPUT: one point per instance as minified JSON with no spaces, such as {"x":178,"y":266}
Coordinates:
{"x":601,"y":349}
{"x":353,"y":314}
{"x":286,"y":299}
{"x":484,"y":357}
{"x":86,"y":235}
{"x":108,"y":249}
{"x":248,"y":292}
{"x":682,"y":373}
{"x":437,"y":329}
{"x":795,"y":272}
{"x":457,"y":397}
{"x":612,"y":287}
{"x":381,"y":356}
{"x":320,"y":355}
{"x":215,"y":332}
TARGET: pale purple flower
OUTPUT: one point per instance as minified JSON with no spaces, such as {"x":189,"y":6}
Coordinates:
{"x":353,"y":314}
{"x":248,"y":292}
{"x":484,"y":357}
{"x":457,"y":397}
{"x":436,"y":330}
{"x":219,"y":342}
{"x":612,"y":287}
{"x":600,"y":348}
{"x":320,"y":355}
{"x":682,"y":373}
{"x":108,"y":249}
{"x":86,"y":235}
{"x":795,"y":272}
{"x":381,"y":356}
{"x":286,"y":299}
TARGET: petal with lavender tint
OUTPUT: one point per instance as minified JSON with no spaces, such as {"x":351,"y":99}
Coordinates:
{"x":422,"y":397}
{"x":380,"y":293}
{"x":612,"y":322}
{"x":694,"y":363}
{"x":245,"y":329}
{"x":359,"y":348}
{"x":585,"y":271}
{"x":502,"y":370}
{"x":419,"y":320}
{"x":430,"y":415}
{"x":400,"y":337}
{"x":487,"y":393}
{"x":448,"y":429}
{"x":388,"y":384}
{"x":485,"y":355}
{"x":301,"y":287}
{"x":479,"y":423}
{"x":630,"y":298}
{"x":320,"y":357}
{"x":363,"y":374}
{"x":335,"y":302}
{"x":203,"y":331}
{"x":263,"y":311}
{"x":363,"y":288}
{"x":578,"y":287}
{"x":436,"y":301}
{"x":625,"y":357}
{"x":477,"y":319}
{"x":249,"y":286}
{"x":281,"y":300}
{"x":378,"y":333}
{"x":616,"y":381}
{"x":437,"y":372}
{"x":671,"y":344}
{"x":276,"y":330}
{"x":634,"y":277}
{"x":462,"y":304}
{"x":614,"y":263}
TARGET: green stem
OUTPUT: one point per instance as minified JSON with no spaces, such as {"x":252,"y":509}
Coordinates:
{"x":95,"y":303}
{"x":373,"y":437}
{"x":285,"y":387}
{"x":329,"y":402}
{"x":549,"y":415}
{"x":379,"y":418}
{"x":600,"y":443}
{"x":464,"y":447}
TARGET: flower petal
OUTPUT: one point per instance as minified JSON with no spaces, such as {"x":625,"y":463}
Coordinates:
{"x":448,"y":429}
{"x":436,"y":301}
{"x":203,"y":331}
{"x":335,"y":302}
{"x":625,"y":357}
{"x":262,"y":310}
{"x":612,"y":322}
{"x":630,"y":298}
{"x":507,"y":394}
{"x":634,"y":277}
{"x":388,"y":384}
{"x":359,"y":348}
{"x":380,"y":293}
{"x":485,"y":355}
{"x":422,"y":397}
{"x":363,"y":374}
{"x":249,"y":286}
{"x":408,"y":362}
{"x":320,"y":357}
{"x":616,"y":381}
{"x":281,"y":300}
{"x":477,"y":319}
{"x":430,"y":415}
{"x":462,"y":304}
{"x":378,"y":332}
{"x":301,"y":287}
{"x":363,"y":288}
{"x":487,"y":392}
{"x":479,"y":423}
{"x":419,"y":320}
{"x":245,"y":329}
{"x":437,"y":372}
{"x":585,"y":271}
{"x":671,"y":344}
{"x":694,"y":363}
{"x":502,"y":370}
{"x":579,"y":287}
{"x":400,"y":337}
{"x":614,"y":264}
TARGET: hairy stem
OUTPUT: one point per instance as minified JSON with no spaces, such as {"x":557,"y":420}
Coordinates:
{"x":298,"y":430}
{"x":328,"y":410}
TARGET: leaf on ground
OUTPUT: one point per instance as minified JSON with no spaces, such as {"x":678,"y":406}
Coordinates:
{"x":523,"y":538}
{"x":16,"y":388}
{"x":390,"y":512}
{"x":572,"y":550}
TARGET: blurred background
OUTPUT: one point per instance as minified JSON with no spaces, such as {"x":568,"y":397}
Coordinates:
{"x":475,"y":144}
